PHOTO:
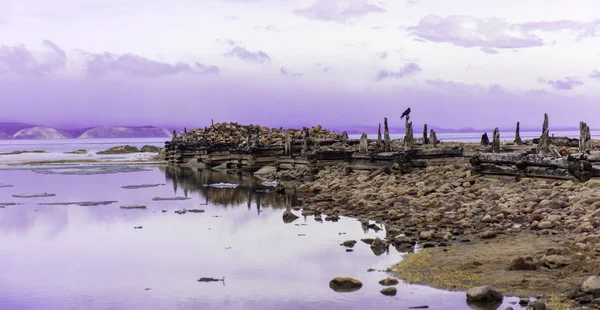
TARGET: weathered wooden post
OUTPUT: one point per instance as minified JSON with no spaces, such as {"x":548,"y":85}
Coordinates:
{"x":584,"y":137}
{"x":433,"y":138}
{"x":174,"y":134}
{"x":344,"y":137}
{"x":363,"y":146}
{"x":305,"y":141}
{"x":409,"y":140}
{"x":518,"y":140}
{"x":485,"y":140}
{"x":543,"y":146}
{"x":387,"y":142}
{"x":379,"y":139}
{"x":425,"y":139}
{"x":287,"y":147}
{"x":496,"y":141}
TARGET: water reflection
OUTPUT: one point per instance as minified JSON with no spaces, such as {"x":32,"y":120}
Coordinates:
{"x":91,"y":257}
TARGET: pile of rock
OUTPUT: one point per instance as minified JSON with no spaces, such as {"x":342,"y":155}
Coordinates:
{"x":234,"y":133}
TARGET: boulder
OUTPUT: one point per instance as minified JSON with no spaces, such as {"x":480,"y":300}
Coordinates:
{"x":345,"y":284}
{"x":379,"y":246}
{"x":555,"y":261}
{"x":523,"y":263}
{"x":289,"y":217}
{"x":484,"y":294}
{"x":389,"y":291}
{"x":591,"y":285}
{"x":389,"y":281}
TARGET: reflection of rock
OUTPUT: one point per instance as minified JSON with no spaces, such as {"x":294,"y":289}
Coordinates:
{"x":224,"y":185}
{"x":288,"y":216}
{"x":170,"y":198}
{"x":2,"y":207}
{"x":210,"y":280}
{"x":33,"y":195}
{"x":133,"y":207}
{"x":345,"y":284}
{"x":140,"y":186}
{"x":389,"y":291}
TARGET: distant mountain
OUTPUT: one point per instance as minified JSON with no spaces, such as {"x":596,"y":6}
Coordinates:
{"x":4,"y":136}
{"x":41,"y":133}
{"x":10,"y":128}
{"x":125,"y":132}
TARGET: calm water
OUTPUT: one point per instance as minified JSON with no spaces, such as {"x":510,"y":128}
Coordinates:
{"x":91,"y":257}
{"x":69,"y":145}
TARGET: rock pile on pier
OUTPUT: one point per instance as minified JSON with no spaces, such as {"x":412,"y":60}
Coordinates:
{"x":237,"y":134}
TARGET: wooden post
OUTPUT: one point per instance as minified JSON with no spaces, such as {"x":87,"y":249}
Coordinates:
{"x":305,"y":134}
{"x":409,"y":140}
{"x":425,"y":139}
{"x":379,"y":139}
{"x":433,"y":138}
{"x":387,"y":142}
{"x":544,"y":141}
{"x":518,"y":140}
{"x":496,"y":141}
{"x":363,"y":146}
{"x":174,"y":134}
{"x":485,"y":140}
{"x":344,"y":137}
{"x":584,"y":137}
{"x":287,"y":149}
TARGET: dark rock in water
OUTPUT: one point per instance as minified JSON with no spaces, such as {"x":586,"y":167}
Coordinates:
{"x":318,"y":218}
{"x":125,"y":149}
{"x":33,"y":195}
{"x":133,"y":207}
{"x":78,"y":152}
{"x":389,"y":291}
{"x":484,"y":295}
{"x":170,"y":198}
{"x":348,"y":243}
{"x":419,"y":307}
{"x":370,"y":270}
{"x":428,"y":245}
{"x":524,"y":301}
{"x":9,"y":204}
{"x":2,"y":207}
{"x":196,"y":211}
{"x":184,"y":211}
{"x":379,"y":247}
{"x":389,"y":281}
{"x":289,"y":217}
{"x":523,"y":263}
{"x":163,"y":211}
{"x":349,"y":250}
{"x":374,"y":227}
{"x":345,"y":284}
{"x":209,"y":280}
{"x":137,"y":227}
{"x":5,"y":185}
{"x":332,"y":218}
{"x":141,"y":186}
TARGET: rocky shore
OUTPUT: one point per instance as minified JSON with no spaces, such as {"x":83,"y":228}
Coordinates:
{"x":532,"y":237}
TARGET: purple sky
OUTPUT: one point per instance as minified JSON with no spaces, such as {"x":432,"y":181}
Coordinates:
{"x":455,"y":63}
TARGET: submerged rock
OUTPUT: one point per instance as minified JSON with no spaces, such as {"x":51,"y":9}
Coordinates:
{"x":389,"y":291}
{"x":33,"y":195}
{"x":133,"y":207}
{"x":345,"y":284}
{"x":141,"y":186}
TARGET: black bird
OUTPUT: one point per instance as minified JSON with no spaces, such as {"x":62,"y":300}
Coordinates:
{"x":406,"y":113}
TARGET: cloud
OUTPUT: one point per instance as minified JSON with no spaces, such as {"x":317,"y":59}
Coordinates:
{"x":286,"y":72}
{"x":468,"y":31}
{"x":595,"y":74}
{"x":204,"y":69}
{"x":341,"y":11}
{"x":566,"y":84}
{"x":383,"y":55}
{"x":489,"y":50}
{"x":268,"y":28}
{"x":408,"y":69}
{"x":245,"y":55}
{"x":231,"y":18}
{"x":323,"y":67}
{"x":227,"y":41}
{"x":134,"y":65}
{"x":20,"y":60}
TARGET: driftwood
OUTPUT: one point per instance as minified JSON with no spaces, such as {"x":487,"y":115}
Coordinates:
{"x":425,"y":139}
{"x":379,"y":139}
{"x":496,"y":141}
{"x":584,"y":137}
{"x":518,"y":140}
{"x":363,"y":146}
{"x":409,"y":140}
{"x":433,"y":138}
{"x":543,"y":144}
{"x":485,"y":140}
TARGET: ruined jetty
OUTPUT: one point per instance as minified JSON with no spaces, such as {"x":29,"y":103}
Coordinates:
{"x":249,"y":148}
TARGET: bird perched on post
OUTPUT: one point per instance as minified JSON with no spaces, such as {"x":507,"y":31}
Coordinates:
{"x":406,"y":113}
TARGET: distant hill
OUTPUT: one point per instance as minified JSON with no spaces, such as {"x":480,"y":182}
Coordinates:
{"x":10,"y":128}
{"x":125,"y":132}
{"x":41,"y":133}
{"x":5,"y":136}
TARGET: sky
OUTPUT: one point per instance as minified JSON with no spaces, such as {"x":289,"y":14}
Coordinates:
{"x":340,"y":63}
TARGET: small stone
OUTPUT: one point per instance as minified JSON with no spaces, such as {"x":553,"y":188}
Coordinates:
{"x":523,"y":301}
{"x":349,"y":250}
{"x":487,"y":219}
{"x":389,"y":281}
{"x":348,"y":243}
{"x":389,"y":291}
{"x":488,"y":234}
{"x":544,"y":224}
{"x":370,"y":270}
{"x":426,"y":235}
{"x":523,"y":263}
{"x":345,"y":284}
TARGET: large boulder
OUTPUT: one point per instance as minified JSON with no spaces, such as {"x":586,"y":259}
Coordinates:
{"x":345,"y":284}
{"x":484,"y":294}
{"x":591,"y":285}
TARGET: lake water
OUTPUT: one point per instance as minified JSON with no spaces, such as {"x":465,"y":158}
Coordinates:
{"x":91,"y":257}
